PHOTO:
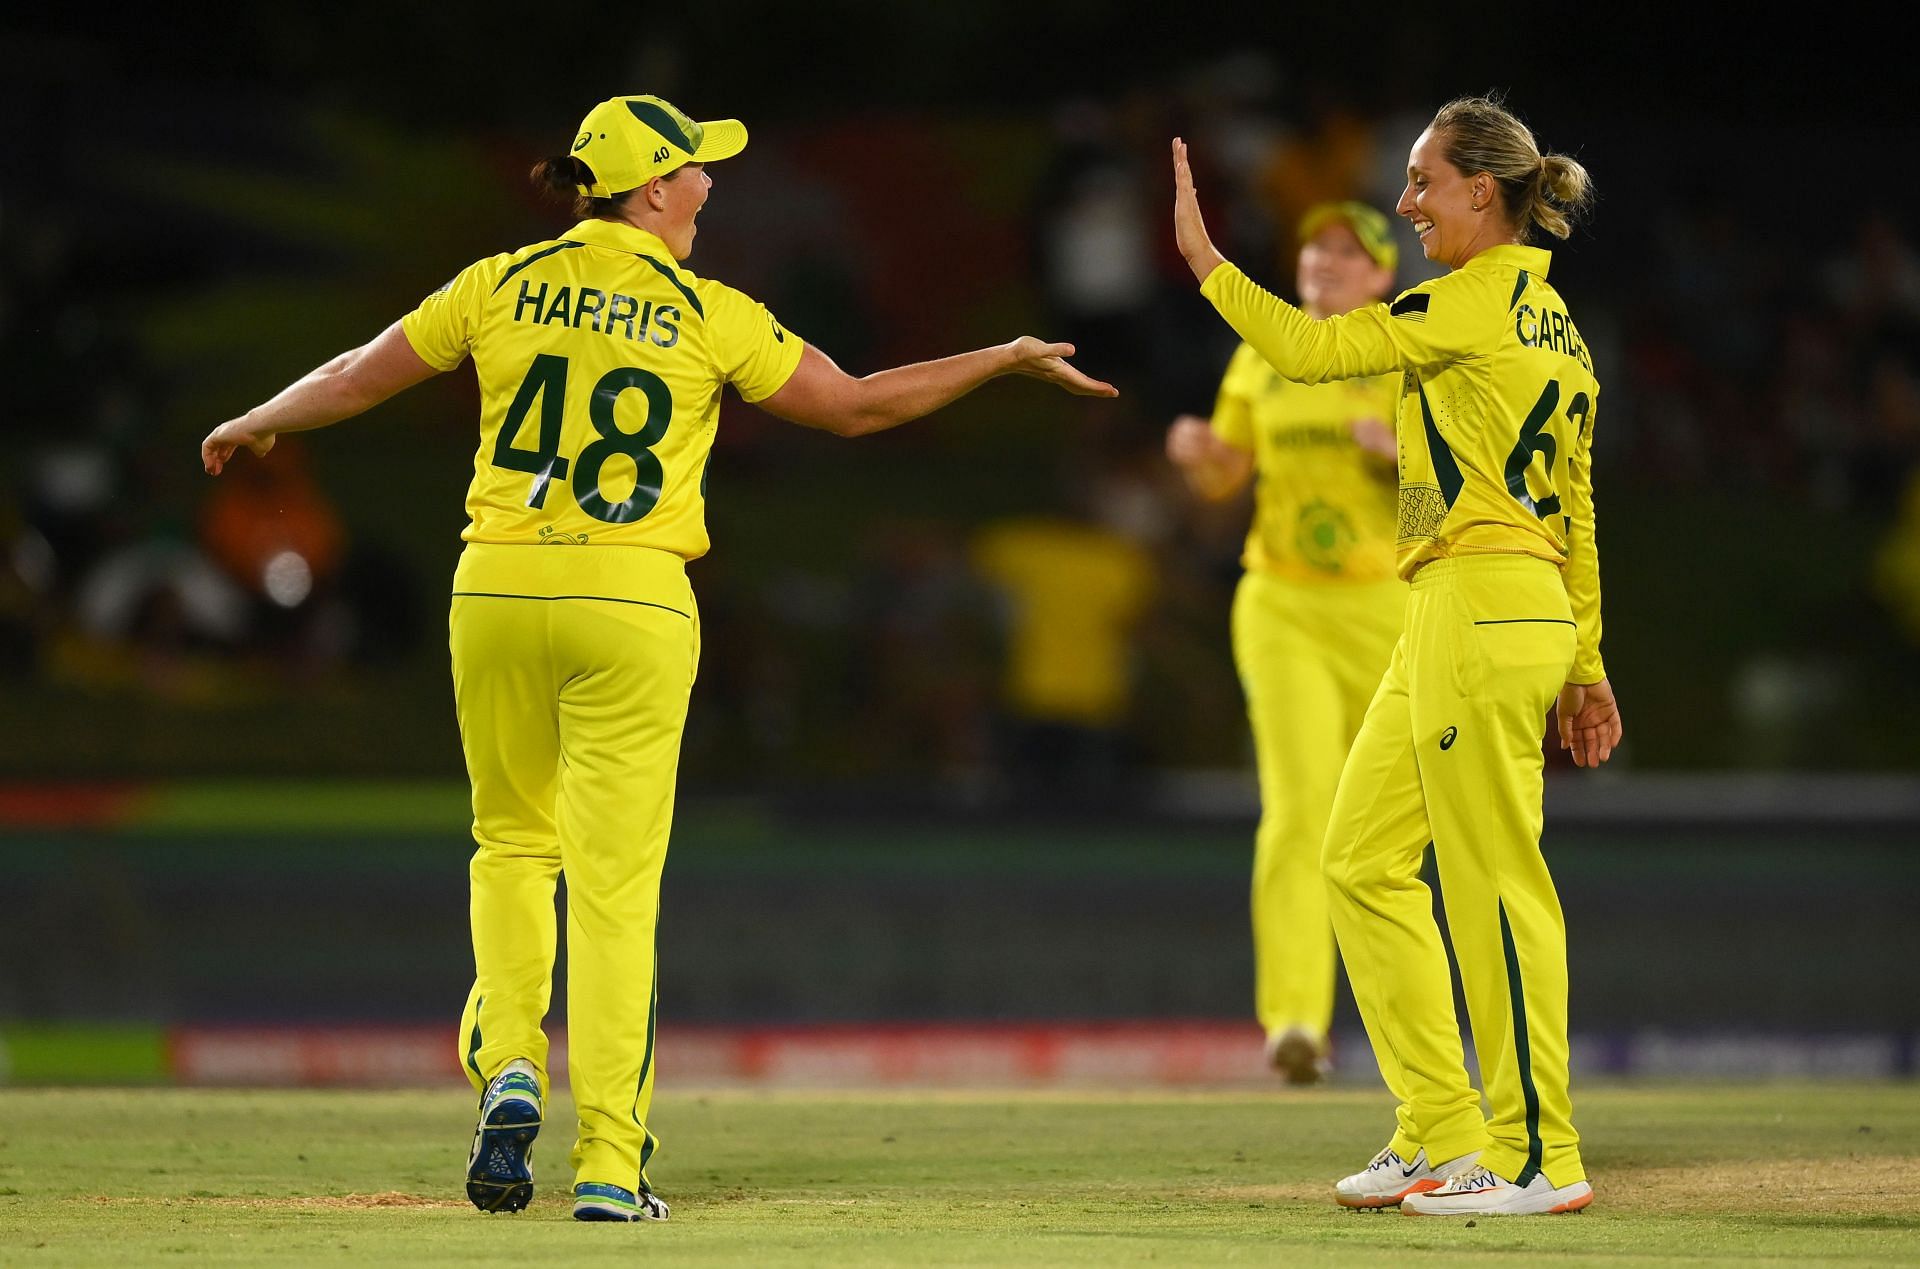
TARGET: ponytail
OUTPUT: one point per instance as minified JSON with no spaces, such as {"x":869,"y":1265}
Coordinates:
{"x":1562,"y":194}
{"x":562,"y":177}
{"x":1551,"y":191}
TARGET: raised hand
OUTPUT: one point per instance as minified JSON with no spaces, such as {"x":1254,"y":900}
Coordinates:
{"x":1042,"y":360}
{"x":1589,"y":722}
{"x":1189,"y":227}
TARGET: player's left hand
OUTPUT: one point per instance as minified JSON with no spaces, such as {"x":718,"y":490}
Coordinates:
{"x":1189,"y":227}
{"x":1589,"y":722}
{"x":230,"y":436}
{"x":1042,"y":360}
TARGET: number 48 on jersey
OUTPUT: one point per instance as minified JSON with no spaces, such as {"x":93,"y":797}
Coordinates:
{"x":546,"y":382}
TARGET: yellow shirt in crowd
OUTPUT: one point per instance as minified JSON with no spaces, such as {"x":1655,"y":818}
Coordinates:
{"x":1076,"y":592}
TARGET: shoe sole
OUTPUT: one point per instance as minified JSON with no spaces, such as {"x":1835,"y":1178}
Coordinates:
{"x":1575,"y":1204}
{"x":501,"y":1176}
{"x":1297,"y":1058}
{"x":1374,"y":1202}
{"x":603,"y":1210}
{"x":597,"y":1213}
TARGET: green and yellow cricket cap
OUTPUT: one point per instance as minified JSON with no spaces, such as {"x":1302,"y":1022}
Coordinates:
{"x":1373,"y":230}
{"x":628,"y":141}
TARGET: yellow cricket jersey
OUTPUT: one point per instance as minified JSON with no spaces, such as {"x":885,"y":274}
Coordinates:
{"x":1323,"y":507}
{"x":1496,"y":411}
{"x":1075,"y":592}
{"x":600,"y":363}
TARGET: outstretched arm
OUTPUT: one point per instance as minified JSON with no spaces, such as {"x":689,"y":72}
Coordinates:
{"x":820,"y":394}
{"x":1367,"y":341}
{"x":351,"y":383}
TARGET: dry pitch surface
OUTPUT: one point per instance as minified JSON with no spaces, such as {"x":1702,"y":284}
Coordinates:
{"x":1793,"y":1174}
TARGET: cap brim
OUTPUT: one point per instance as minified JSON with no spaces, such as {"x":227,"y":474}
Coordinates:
{"x":1322,"y":217}
{"x":1384,"y":253}
{"x":721,"y":139}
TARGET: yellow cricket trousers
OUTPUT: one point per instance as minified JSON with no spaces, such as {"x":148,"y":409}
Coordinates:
{"x":571,"y":670}
{"x":1450,"y":754}
{"x":1310,"y":656}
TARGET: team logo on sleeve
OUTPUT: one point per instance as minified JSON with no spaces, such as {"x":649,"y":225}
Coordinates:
{"x":779,"y":335}
{"x":1412,"y":306}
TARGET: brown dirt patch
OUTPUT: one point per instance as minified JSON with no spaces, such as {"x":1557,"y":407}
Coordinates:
{"x":1302,"y":1192}
{"x":1857,"y":1185}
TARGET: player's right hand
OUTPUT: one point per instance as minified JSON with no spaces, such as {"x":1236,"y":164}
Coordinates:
{"x":1042,"y":360}
{"x":1189,"y":226}
{"x":222,"y":441}
{"x":1190,"y":441}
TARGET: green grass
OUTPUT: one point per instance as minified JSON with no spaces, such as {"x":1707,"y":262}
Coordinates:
{"x":1792,"y":1174}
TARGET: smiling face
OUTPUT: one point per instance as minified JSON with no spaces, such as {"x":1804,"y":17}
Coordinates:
{"x":674,"y":200}
{"x":1455,"y":213}
{"x":1335,"y":273}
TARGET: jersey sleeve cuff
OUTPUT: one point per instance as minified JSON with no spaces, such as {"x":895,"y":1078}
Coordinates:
{"x":778,"y":379}
{"x":425,"y":354}
{"x":1217,"y":280}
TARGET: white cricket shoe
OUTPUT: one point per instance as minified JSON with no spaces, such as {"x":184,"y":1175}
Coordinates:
{"x":1478,"y":1192}
{"x":1389,"y":1179}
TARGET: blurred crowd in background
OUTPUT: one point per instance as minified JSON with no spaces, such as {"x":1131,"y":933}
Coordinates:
{"x":1018,"y":598}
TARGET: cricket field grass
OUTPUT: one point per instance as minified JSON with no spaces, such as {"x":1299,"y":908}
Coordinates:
{"x":1787,"y":1173}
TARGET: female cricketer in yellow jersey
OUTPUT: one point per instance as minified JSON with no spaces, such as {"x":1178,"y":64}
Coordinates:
{"x":1315,"y":615}
{"x":1496,"y":534}
{"x":573,"y":629}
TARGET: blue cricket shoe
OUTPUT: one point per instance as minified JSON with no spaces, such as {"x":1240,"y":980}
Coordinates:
{"x":500,"y":1169}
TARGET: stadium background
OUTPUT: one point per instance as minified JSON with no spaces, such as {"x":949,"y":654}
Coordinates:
{"x":230,"y":789}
